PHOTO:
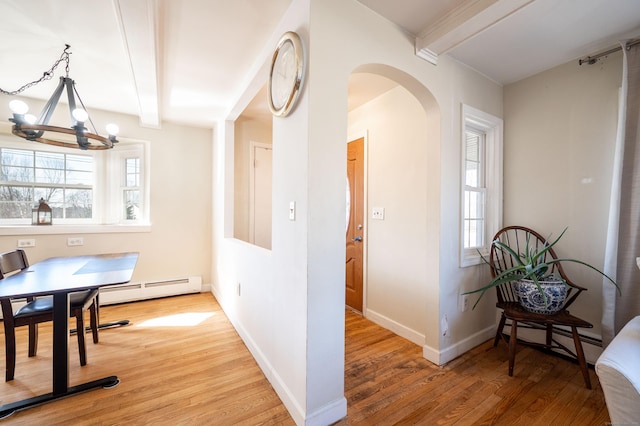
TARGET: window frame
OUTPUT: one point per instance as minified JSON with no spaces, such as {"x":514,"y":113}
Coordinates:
{"x":491,"y":159}
{"x":38,"y":165}
{"x":105,"y":207}
{"x":117,"y":167}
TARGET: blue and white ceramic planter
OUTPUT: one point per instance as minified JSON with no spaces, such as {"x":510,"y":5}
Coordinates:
{"x":530,"y":298}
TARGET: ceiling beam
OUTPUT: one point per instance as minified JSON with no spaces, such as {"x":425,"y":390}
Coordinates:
{"x":462,"y":23}
{"x":137,"y":20}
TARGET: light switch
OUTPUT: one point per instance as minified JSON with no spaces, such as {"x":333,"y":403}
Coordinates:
{"x":292,"y":210}
{"x":377,"y":213}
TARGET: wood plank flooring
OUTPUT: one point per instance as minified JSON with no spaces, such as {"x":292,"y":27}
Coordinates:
{"x":204,"y":375}
{"x":388,"y":382}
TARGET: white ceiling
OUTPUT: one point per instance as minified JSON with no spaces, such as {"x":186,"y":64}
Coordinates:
{"x":188,"y":61}
{"x":508,"y":40}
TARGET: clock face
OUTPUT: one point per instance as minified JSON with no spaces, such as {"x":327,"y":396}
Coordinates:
{"x":286,"y":74}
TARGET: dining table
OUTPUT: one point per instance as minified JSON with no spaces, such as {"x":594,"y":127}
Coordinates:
{"x":58,"y":277}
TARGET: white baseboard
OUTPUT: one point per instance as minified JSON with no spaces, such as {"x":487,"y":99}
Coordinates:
{"x":328,"y":414}
{"x":296,"y":412}
{"x":396,"y":327}
{"x":452,"y":352}
{"x":438,"y":357}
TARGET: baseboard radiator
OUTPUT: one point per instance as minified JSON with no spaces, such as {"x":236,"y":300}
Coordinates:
{"x":132,"y":292}
{"x":149,"y":290}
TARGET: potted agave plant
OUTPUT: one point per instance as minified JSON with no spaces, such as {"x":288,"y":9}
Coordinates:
{"x":530,"y":271}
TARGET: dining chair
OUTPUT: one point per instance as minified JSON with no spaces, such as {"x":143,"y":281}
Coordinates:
{"x":518,"y":238}
{"x":38,"y":310}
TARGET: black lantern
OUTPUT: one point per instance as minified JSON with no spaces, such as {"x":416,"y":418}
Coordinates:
{"x":41,"y":215}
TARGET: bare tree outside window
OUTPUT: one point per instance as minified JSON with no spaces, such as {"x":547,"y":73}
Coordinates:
{"x":71,"y":181}
{"x":64,"y":181}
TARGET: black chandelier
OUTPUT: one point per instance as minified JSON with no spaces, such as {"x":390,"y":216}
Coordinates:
{"x":37,"y":129}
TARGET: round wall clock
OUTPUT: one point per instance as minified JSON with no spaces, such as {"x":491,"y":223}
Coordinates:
{"x":286,"y":74}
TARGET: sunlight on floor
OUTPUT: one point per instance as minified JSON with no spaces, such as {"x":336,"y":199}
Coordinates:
{"x":188,"y":319}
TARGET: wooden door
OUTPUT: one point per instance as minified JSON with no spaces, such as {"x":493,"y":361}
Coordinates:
{"x":355,"y":224}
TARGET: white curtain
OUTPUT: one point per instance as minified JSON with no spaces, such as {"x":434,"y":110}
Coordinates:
{"x":623,"y":235}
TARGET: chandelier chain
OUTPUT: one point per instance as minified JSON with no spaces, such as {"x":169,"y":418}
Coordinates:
{"x":47,"y":75}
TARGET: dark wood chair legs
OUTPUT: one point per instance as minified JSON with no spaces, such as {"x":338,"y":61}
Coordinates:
{"x":550,"y":344}
{"x":31,"y":321}
{"x":513,"y":339}
{"x":499,"y":332}
{"x":82,"y":350}
{"x":33,"y":339}
{"x":580,"y":355}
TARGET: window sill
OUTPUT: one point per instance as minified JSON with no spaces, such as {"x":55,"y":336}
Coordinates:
{"x":72,"y":229}
{"x":473,"y":259}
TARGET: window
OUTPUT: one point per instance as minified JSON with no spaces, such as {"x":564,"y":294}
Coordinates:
{"x":474,"y":190}
{"x":81,"y":187}
{"x":481,"y":183}
{"x":131,"y":190}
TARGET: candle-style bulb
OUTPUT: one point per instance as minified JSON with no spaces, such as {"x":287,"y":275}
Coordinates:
{"x":80,"y":115}
{"x":112,"y":129}
{"x":18,"y":107}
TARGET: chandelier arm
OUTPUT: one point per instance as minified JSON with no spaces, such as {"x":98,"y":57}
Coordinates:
{"x":50,"y":106}
{"x":83,"y":107}
{"x":26,"y":131}
{"x":71,"y":99}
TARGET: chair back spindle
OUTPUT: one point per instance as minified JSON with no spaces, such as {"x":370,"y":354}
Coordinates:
{"x":520,"y":238}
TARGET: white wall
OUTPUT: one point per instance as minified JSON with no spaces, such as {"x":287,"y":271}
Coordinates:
{"x":179,"y":242}
{"x":560,"y":128}
{"x":247,"y":130}
{"x":396,"y":176}
{"x":291,"y":308}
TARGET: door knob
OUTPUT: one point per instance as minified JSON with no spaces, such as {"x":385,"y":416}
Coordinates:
{"x":358,"y":238}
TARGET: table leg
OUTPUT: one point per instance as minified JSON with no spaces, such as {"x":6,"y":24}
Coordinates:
{"x":9,"y":409}
{"x":104,"y":326}
{"x":60,"y":343}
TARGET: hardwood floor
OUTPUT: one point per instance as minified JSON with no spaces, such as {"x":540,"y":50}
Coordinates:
{"x":387,"y":381}
{"x":170,"y":375}
{"x":204,"y":375}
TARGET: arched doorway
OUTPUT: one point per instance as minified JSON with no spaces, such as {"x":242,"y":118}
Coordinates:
{"x":399,"y":121}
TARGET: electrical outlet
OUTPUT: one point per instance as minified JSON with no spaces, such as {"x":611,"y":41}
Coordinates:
{"x":75,"y":241}
{"x":292,"y":210}
{"x":464,"y":302}
{"x":30,"y":242}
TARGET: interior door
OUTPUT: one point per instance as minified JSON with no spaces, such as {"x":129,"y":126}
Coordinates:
{"x":355,"y":224}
